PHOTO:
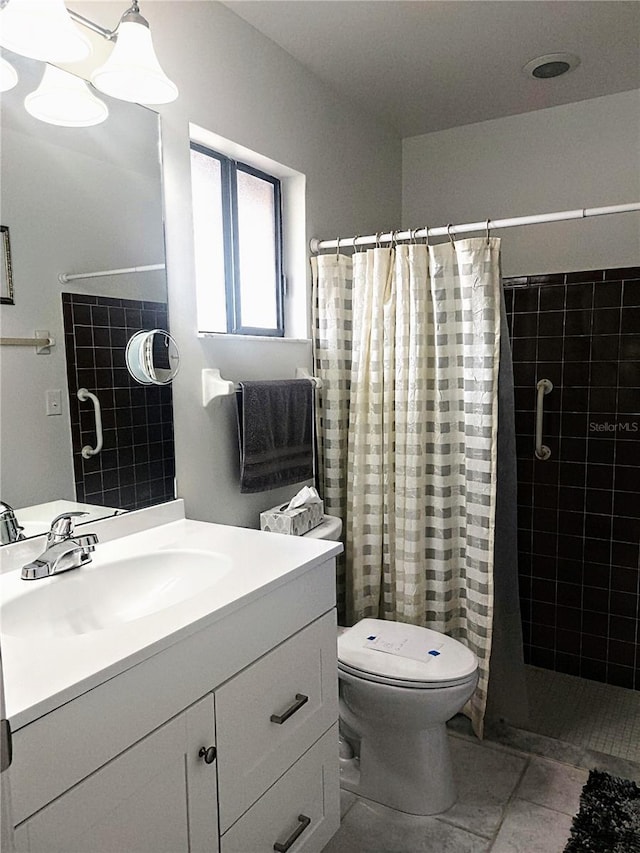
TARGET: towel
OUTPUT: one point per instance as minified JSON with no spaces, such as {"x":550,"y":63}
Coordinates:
{"x":275,"y":423}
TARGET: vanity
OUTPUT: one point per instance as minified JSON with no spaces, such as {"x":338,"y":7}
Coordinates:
{"x":181,"y":697}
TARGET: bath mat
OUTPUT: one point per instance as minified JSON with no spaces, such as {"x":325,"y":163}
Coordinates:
{"x":609,"y":816}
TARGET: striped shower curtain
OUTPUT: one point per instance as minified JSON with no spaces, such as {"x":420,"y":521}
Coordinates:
{"x":407,"y":346}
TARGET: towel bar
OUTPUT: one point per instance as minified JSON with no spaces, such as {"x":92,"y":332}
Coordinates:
{"x":42,"y":341}
{"x":213,"y":385}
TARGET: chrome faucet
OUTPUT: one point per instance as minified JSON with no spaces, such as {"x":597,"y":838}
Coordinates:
{"x":64,"y":549}
{"x":10,"y":530}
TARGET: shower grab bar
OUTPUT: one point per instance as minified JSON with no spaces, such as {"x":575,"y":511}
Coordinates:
{"x":544,"y":386}
{"x":88,"y":451}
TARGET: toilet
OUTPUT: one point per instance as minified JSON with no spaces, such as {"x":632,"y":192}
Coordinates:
{"x":394,"y":709}
{"x":399,"y":684}
{"x":329,"y":528}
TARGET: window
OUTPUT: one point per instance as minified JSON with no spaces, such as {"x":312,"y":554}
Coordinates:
{"x":238,"y":246}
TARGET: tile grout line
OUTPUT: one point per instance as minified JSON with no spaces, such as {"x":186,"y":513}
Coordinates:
{"x":512,"y":797}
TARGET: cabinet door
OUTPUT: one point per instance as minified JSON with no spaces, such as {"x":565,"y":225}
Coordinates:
{"x":157,"y":797}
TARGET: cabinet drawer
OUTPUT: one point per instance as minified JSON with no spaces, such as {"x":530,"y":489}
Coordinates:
{"x":305,"y":803}
{"x":269,"y":714}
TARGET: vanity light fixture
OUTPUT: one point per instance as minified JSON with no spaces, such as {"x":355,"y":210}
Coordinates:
{"x":8,"y":75}
{"x":46,"y":30}
{"x":65,"y":100}
{"x":132,"y":72}
{"x":42,"y":29}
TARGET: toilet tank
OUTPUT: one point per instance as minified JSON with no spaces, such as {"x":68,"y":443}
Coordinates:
{"x":329,"y":528}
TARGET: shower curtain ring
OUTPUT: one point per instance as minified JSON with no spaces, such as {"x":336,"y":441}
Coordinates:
{"x":426,"y":236}
{"x":337,"y":248}
{"x":355,"y":243}
{"x":451,"y":237}
{"x":488,"y":233}
{"x":394,"y":239}
{"x":378,"y":244}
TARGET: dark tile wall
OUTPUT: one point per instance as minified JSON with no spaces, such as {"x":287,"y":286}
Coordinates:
{"x":579,"y":512}
{"x":136,"y":467}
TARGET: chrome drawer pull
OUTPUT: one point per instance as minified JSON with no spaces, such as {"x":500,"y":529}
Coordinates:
{"x":282,"y":718}
{"x":297,"y":832}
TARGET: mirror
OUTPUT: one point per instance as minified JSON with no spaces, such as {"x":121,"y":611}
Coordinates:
{"x":152,"y":357}
{"x":81,"y":200}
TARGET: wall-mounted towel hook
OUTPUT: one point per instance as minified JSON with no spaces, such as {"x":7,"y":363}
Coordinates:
{"x":213,"y":385}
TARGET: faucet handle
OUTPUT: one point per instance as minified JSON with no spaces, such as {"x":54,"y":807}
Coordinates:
{"x":62,"y":527}
{"x":87,"y":542}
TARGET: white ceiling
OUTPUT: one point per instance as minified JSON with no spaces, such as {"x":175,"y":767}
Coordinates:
{"x":426,"y":65}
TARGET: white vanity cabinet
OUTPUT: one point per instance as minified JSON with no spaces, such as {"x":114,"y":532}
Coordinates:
{"x":121,"y":768}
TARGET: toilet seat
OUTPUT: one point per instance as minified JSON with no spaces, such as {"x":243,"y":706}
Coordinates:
{"x":442,"y":661}
{"x":405,"y":683}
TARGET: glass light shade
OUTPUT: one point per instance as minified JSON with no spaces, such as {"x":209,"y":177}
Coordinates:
{"x":132,"y":72}
{"x":65,"y":100}
{"x":42,"y":29}
{"x":8,"y":75}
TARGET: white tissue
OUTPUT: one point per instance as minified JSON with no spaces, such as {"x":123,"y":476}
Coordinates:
{"x":306,"y":495}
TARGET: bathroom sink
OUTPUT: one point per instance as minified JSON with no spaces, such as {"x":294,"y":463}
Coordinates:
{"x":103,"y":595}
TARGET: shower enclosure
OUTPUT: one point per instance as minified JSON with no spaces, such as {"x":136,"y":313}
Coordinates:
{"x":578,"y":504}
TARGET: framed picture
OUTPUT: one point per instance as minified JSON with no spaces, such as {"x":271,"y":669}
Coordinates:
{"x":6,"y":276}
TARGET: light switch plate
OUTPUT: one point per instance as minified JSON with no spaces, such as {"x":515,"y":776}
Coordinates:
{"x":54,"y":402}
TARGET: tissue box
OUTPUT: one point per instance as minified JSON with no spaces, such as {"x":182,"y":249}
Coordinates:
{"x":295,"y":522}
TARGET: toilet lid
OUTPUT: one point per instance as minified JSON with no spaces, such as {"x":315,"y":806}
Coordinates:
{"x":401,"y":652}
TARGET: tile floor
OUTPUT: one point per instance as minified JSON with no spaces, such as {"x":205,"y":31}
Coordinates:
{"x":585,"y":713}
{"x":509,"y":801}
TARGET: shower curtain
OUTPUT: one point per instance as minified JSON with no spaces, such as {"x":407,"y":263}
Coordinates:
{"x":407,"y":344}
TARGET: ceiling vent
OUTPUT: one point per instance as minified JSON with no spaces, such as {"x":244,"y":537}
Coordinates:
{"x":551,"y":65}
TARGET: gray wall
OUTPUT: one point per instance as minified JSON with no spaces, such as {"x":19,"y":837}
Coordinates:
{"x":237,"y":83}
{"x":580,"y":155}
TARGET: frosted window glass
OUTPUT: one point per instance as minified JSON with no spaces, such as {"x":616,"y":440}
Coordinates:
{"x":208,"y":235}
{"x":257,"y":252}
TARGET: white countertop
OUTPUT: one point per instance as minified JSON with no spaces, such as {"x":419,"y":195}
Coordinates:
{"x":40,"y":674}
{"x":36,"y":520}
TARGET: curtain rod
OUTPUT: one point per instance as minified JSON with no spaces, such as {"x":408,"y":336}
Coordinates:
{"x":65,"y":277}
{"x":491,"y":224}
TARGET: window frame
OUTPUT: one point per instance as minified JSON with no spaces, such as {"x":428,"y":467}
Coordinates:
{"x":230,"y":234}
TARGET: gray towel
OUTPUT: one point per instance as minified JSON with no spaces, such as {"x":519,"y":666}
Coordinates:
{"x":275,"y":423}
